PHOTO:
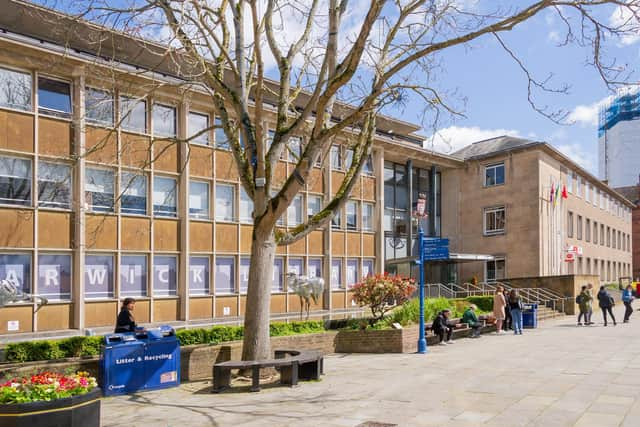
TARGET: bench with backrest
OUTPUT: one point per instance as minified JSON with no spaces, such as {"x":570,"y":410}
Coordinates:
{"x":293,"y":365}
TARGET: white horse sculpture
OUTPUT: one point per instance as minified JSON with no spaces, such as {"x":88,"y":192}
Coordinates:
{"x":307,"y":289}
{"x":10,"y":292}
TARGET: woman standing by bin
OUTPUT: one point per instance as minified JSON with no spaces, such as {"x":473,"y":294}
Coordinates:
{"x":126,"y":322}
{"x":605,"y":301}
{"x":516,"y":307}
{"x":627,"y":299}
{"x":499,"y":304}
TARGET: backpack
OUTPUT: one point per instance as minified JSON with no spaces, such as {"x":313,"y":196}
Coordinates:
{"x":579,"y":299}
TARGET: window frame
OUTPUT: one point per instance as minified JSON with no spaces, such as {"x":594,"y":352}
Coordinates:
{"x":32,"y":83}
{"x":29,"y":200}
{"x":494,"y":167}
{"x":198,"y":215}
{"x":98,"y":122}
{"x":351,"y":226}
{"x":160,"y":213}
{"x":233,"y":288}
{"x":124,"y":186}
{"x":39,"y":287}
{"x":145,"y":273}
{"x":171,"y":293}
{"x":30,"y":270}
{"x":122,"y":118}
{"x":52,"y":112}
{"x":153,"y":120}
{"x":198,"y":141}
{"x":108,"y":296}
{"x":368,"y":225}
{"x":53,"y":204}
{"x":496,"y":259}
{"x":91,"y":208}
{"x":494,"y":210}
{"x":233,"y":203}
{"x":207,"y":278}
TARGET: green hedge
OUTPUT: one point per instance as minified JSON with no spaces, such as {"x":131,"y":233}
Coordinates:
{"x":484,"y":303}
{"x":30,"y":351}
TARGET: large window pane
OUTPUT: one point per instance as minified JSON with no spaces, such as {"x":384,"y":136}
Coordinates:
{"x":98,"y":106}
{"x":336,"y":274}
{"x":315,"y":267}
{"x":244,"y":274}
{"x":54,"y":185}
{"x":15,"y":181}
{"x":54,"y":276}
{"x":278,"y":267}
{"x":494,"y":175}
{"x":15,"y":89}
{"x":133,"y":114}
{"x":165,"y":275}
{"x":99,"y":189}
{"x":225,"y":275}
{"x":164,"y":196}
{"x":296,"y":266}
{"x":367,"y":168}
{"x":225,"y":195}
{"x":199,"y":275}
{"x":98,"y":276}
{"x":348,"y":158}
{"x":16,"y":268}
{"x":336,"y":158}
{"x":246,"y":207}
{"x":367,"y":216}
{"x":54,"y":97}
{"x":352,"y":272}
{"x":314,"y":205}
{"x":133,"y":199}
{"x":367,"y":267}
{"x":352,"y":215}
{"x":133,"y":275}
{"x":199,"y":199}
{"x":221,"y":137}
{"x":295,"y":148}
{"x":336,"y":221}
{"x":294,"y":212}
{"x":164,"y":120}
{"x":197,"y":123}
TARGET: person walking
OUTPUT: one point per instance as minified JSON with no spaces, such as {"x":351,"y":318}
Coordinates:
{"x":605,"y":301}
{"x":584,"y":304}
{"x":627,"y":299}
{"x":590,"y":313}
{"x":441,"y":327}
{"x":508,"y":321}
{"x":499,"y":304}
{"x":516,"y":307}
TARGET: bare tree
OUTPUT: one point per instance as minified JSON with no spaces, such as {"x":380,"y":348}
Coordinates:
{"x":328,"y":68}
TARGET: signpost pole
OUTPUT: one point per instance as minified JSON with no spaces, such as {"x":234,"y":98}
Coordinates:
{"x":422,"y":341}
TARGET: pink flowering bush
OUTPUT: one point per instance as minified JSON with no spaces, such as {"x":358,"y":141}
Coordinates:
{"x":382,"y":292}
{"x":46,"y":386}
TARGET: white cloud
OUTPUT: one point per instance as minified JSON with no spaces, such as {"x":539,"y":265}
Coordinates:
{"x":587,"y":115}
{"x":453,"y":138}
{"x":577,"y":153}
{"x":624,"y":19}
{"x":554,"y":36}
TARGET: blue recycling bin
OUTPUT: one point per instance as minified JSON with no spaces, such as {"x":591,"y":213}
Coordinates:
{"x":530,"y":316}
{"x":140,"y":361}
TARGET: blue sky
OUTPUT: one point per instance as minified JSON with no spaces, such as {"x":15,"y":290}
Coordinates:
{"x":496,"y":89}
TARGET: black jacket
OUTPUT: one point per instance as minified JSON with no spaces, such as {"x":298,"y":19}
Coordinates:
{"x":125,"y":322}
{"x":440,"y":323}
{"x":604,"y":299}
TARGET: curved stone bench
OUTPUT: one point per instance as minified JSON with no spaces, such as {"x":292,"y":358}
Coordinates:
{"x":293,"y":365}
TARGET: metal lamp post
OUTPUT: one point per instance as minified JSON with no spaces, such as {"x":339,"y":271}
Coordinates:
{"x":422,"y":341}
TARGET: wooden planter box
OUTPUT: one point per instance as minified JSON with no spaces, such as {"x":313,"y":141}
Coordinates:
{"x":76,"y":411}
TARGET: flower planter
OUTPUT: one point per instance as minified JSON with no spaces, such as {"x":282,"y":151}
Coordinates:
{"x":76,"y":411}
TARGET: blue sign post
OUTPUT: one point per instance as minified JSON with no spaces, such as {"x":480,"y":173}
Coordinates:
{"x":431,"y":249}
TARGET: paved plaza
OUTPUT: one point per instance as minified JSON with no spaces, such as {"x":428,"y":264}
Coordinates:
{"x":556,"y":375}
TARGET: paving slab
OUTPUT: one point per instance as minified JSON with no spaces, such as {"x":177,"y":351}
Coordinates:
{"x":556,"y":375}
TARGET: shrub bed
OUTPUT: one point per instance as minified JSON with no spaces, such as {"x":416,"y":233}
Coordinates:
{"x":30,"y":351}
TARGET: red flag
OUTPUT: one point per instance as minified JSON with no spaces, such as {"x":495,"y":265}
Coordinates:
{"x":551,"y":195}
{"x":564,"y":192}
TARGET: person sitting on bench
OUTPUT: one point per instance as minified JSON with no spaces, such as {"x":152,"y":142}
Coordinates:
{"x":441,"y":325}
{"x":471,"y":319}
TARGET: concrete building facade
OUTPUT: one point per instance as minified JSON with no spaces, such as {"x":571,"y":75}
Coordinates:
{"x":505,"y":208}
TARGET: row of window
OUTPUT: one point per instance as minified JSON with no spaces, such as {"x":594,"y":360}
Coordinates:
{"x":596,"y":197}
{"x":54,"y":274}
{"x":54,"y":98}
{"x":608,"y":270}
{"x":615,"y":239}
{"x":55,"y":188}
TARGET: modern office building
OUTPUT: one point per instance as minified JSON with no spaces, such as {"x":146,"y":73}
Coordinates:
{"x":619,"y":140}
{"x":536,"y":211}
{"x":95,"y":207}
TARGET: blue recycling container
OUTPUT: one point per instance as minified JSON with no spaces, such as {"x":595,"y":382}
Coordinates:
{"x":530,"y":316}
{"x":140,"y":361}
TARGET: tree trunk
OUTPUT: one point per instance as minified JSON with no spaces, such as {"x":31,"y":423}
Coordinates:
{"x":256,"y":344}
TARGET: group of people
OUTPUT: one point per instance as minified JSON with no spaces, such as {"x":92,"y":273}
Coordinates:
{"x":507,"y":310}
{"x":605,"y":302}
